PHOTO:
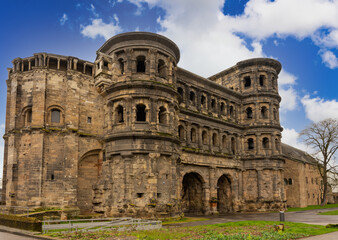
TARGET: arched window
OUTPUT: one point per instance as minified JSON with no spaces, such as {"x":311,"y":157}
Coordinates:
{"x":231,"y":111}
{"x":290,"y":181}
{"x":121,"y":64}
{"x":264,"y":112}
{"x":265,"y":143}
{"x":261,"y":80}
{"x":213,"y":104}
{"x":286,"y":181}
{"x":203,"y":100}
{"x":141,"y":65}
{"x":180,"y":91}
{"x":161,"y":68}
{"x":249,"y":113}
{"x":28,"y":116}
{"x":181,"y":132}
{"x":55,"y":115}
{"x":222,"y":108}
{"x":233,"y":145}
{"x":247,"y":82}
{"x":119,"y":114}
{"x":224,"y":141}
{"x":141,"y":113}
{"x":251,"y":144}
{"x":205,"y":137}
{"x":192,"y":96}
{"x":162,"y":117}
{"x":214,"y":139}
{"x":193,"y":135}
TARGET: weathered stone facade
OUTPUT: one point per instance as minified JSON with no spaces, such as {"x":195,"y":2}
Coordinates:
{"x":133,"y":134}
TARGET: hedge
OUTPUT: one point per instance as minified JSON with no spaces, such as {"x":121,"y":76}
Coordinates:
{"x":27,"y":223}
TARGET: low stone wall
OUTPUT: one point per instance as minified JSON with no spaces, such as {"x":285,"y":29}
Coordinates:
{"x":27,"y":223}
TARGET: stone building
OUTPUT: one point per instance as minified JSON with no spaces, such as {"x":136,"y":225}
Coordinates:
{"x":134,"y":134}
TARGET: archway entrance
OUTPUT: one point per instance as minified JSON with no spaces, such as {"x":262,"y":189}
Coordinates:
{"x":192,"y":193}
{"x":88,"y":173}
{"x":224,"y":193}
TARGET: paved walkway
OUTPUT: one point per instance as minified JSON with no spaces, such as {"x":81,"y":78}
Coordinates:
{"x":328,"y":236}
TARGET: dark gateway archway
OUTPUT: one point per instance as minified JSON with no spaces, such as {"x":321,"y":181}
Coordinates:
{"x":224,"y":195}
{"x":192,"y":193}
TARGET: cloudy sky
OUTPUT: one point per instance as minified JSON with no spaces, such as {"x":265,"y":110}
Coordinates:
{"x":211,"y":34}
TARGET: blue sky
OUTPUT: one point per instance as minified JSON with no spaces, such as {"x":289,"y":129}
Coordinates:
{"x":212,"y":35}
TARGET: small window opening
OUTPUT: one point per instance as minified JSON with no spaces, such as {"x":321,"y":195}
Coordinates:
{"x":213,"y":104}
{"x":181,"y":132}
{"x":104,"y":156}
{"x":214,"y":140}
{"x":53,"y":63}
{"x":249,"y":113}
{"x":161,"y":68}
{"x":139,"y":195}
{"x":80,"y":67}
{"x":312,"y":180}
{"x":25,"y":66}
{"x":233,"y":145}
{"x":192,"y":96}
{"x":55,"y":115}
{"x":222,"y":108}
{"x":264,"y":112}
{"x":63,"y":65}
{"x":286,"y":182}
{"x":162,"y":115}
{"x":204,"y":137}
{"x":105,"y":65}
{"x":290,"y":181}
{"x":159,"y":195}
{"x":141,"y":113}
{"x":89,"y":120}
{"x":88,"y":70}
{"x":141,"y":66}
{"x":251,"y":144}
{"x":193,"y":135}
{"x":119,"y":114}
{"x":247,"y":82}
{"x":265,"y":143}
{"x":231,"y":111}
{"x":180,"y":91}
{"x":261,"y":80}
{"x":203,"y":100}
{"x":121,"y":64}
{"x":29,"y":115}
{"x":52,"y":177}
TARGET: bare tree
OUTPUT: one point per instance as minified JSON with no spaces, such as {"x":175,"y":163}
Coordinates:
{"x":323,"y":138}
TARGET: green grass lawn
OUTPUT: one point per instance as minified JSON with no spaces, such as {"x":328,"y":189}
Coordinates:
{"x":233,"y":230}
{"x":185,"y":220}
{"x":334,"y":212}
{"x":312,"y":207}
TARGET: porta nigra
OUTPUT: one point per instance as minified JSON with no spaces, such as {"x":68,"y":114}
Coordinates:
{"x":133,"y":134}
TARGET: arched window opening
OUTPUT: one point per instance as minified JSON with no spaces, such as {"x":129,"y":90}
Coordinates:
{"x":265,"y":143}
{"x":224,"y":141}
{"x":251,"y":144}
{"x":88,"y":70}
{"x":286,"y":181}
{"x":274,"y":114}
{"x":233,"y":145}
{"x":141,"y":113}
{"x":214,"y":139}
{"x":261,"y":80}
{"x":247,"y":82}
{"x":213,"y":104}
{"x":180,"y":91}
{"x":29,"y":116}
{"x":119,"y":114}
{"x":181,"y":132}
{"x":192,"y":96}
{"x":63,"y":65}
{"x":105,"y":65}
{"x":162,"y":115}
{"x":204,"y":137}
{"x":161,"y":68}
{"x":231,"y":111}
{"x":55,"y":115}
{"x":80,"y":67}
{"x":222,"y":108}
{"x":53,"y":63}
{"x":249,"y":113}
{"x":203,"y":100}
{"x":264,"y":112}
{"x":141,"y":65}
{"x":290,"y":181}
{"x":121,"y":64}
{"x":193,"y":135}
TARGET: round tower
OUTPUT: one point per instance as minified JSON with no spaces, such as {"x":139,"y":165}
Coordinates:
{"x":135,"y":73}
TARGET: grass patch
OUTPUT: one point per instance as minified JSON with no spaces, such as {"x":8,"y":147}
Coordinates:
{"x":313,"y":207}
{"x":232,"y":230}
{"x":334,"y":212}
{"x":184,"y":220}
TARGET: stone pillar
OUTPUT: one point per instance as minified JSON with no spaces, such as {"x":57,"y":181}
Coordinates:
{"x":29,"y":65}
{"x":257,"y":112}
{"x":259,"y":184}
{"x":213,"y":188}
{"x":48,"y":58}
{"x":58,"y":64}
{"x":258,"y":144}
{"x":75,"y":63}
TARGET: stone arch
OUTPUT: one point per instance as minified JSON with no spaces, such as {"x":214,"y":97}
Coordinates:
{"x":193,"y":194}
{"x":89,"y":168}
{"x":224,"y":194}
{"x":55,"y":115}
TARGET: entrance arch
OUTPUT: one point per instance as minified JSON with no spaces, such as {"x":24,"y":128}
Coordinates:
{"x":88,"y":173}
{"x":192,"y":193}
{"x":224,"y":195}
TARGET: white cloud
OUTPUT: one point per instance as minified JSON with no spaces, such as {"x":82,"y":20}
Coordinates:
{"x":291,"y":137}
{"x":63,"y":19}
{"x":329,"y":59}
{"x":99,"y":28}
{"x":286,"y":78}
{"x":318,"y":109}
{"x":93,"y":10}
{"x":329,"y":40}
{"x":289,"y":99}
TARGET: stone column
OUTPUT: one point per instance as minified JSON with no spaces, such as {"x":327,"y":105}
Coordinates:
{"x":258,"y":144}
{"x":75,"y":63}
{"x":29,"y":65}
{"x":58,"y":64}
